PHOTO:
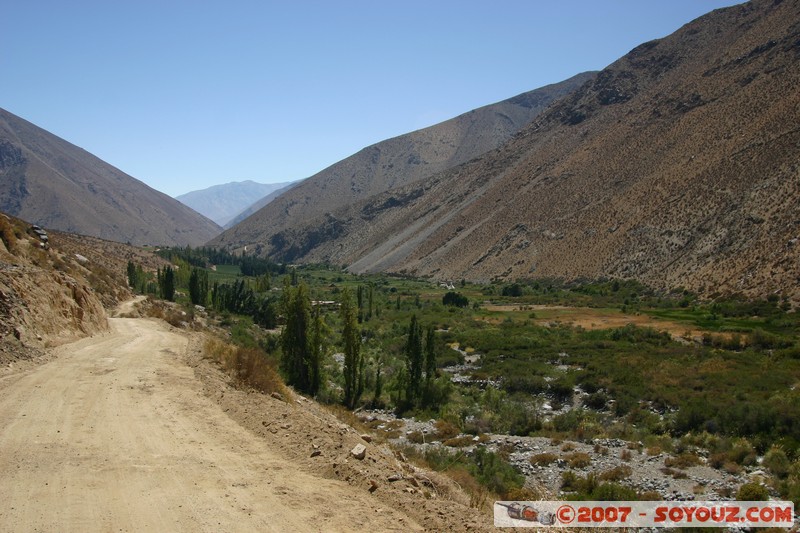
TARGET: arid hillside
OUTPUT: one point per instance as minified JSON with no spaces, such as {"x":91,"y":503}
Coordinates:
{"x":678,"y":165}
{"x":50,"y":182}
{"x":397,"y":162}
{"x":44,"y":298}
{"x":56,"y":287}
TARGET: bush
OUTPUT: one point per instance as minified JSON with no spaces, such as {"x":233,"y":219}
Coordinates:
{"x":776,"y":462}
{"x":455,"y":299}
{"x":249,"y":366}
{"x":524,"y":383}
{"x":459,"y":442}
{"x":767,"y":341}
{"x":543,"y":459}
{"x":607,"y":492}
{"x":494,"y":473}
{"x":618,"y":473}
{"x":578,"y":460}
{"x":684,"y":460}
{"x":742,"y":453}
{"x":417,"y":437}
{"x":445,"y":430}
{"x":514,"y":290}
{"x":752,"y":492}
{"x":596,"y":401}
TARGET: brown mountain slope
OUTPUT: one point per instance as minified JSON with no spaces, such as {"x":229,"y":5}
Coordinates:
{"x":55,"y":184}
{"x":45,"y":294}
{"x":398,"y":161}
{"x":678,"y":165}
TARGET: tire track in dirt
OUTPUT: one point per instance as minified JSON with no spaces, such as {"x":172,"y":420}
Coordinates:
{"x":115,"y":434}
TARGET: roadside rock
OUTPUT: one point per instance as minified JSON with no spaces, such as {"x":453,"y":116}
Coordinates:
{"x":359,"y":451}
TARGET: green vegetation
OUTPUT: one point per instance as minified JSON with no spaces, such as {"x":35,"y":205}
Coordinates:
{"x":730,"y":383}
{"x":300,"y":343}
{"x":353,"y":358}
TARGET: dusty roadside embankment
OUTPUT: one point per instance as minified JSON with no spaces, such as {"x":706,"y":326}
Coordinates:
{"x":118,"y":432}
{"x":47,"y":296}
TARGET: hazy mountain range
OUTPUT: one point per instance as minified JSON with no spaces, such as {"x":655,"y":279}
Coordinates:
{"x":223,"y":203}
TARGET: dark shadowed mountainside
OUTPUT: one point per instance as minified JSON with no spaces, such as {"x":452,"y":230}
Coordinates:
{"x":678,"y":165}
{"x":396,"y":162}
{"x":50,"y":182}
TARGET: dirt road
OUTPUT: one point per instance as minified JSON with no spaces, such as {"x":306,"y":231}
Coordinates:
{"x":114,"y":434}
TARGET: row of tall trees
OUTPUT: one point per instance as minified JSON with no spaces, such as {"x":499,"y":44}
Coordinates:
{"x":166,"y":283}
{"x":240,"y":299}
{"x":422,"y":389}
{"x":303,"y":343}
{"x":351,"y":344}
{"x":140,"y":281}
{"x":137,"y":278}
{"x":365,"y":297}
{"x":198,"y":286}
{"x":302,"y":340}
{"x":305,"y":335}
{"x":202,"y":257}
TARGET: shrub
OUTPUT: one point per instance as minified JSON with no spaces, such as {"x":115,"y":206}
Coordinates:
{"x":578,"y":460}
{"x":717,"y":460}
{"x":613,"y":492}
{"x":767,"y":341}
{"x":543,"y":459}
{"x":743,"y":453}
{"x":459,"y":442}
{"x":677,"y":474}
{"x":776,"y":462}
{"x":494,"y":473}
{"x":455,"y":299}
{"x":752,"y":492}
{"x":596,"y":401}
{"x":514,"y":290}
{"x":258,"y":371}
{"x":249,"y":366}
{"x":684,"y":460}
{"x":445,"y":430}
{"x":732,"y":468}
{"x":618,"y":473}
{"x":417,"y":437}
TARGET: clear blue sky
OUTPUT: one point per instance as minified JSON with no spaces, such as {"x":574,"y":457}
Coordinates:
{"x":187,"y":94}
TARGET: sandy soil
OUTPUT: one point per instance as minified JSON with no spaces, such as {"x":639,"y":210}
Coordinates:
{"x":115,"y":433}
{"x":591,"y":318}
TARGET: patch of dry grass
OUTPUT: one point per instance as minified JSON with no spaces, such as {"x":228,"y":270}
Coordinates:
{"x":248,"y":366}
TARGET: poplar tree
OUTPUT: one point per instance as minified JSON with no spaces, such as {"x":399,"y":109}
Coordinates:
{"x":413,"y":354}
{"x":298,"y":362}
{"x":430,"y":354}
{"x":353,"y":359}
{"x":166,"y":283}
{"x":198,"y":286}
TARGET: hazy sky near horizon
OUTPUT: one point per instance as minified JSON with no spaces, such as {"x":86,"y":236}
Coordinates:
{"x":183,"y":95}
